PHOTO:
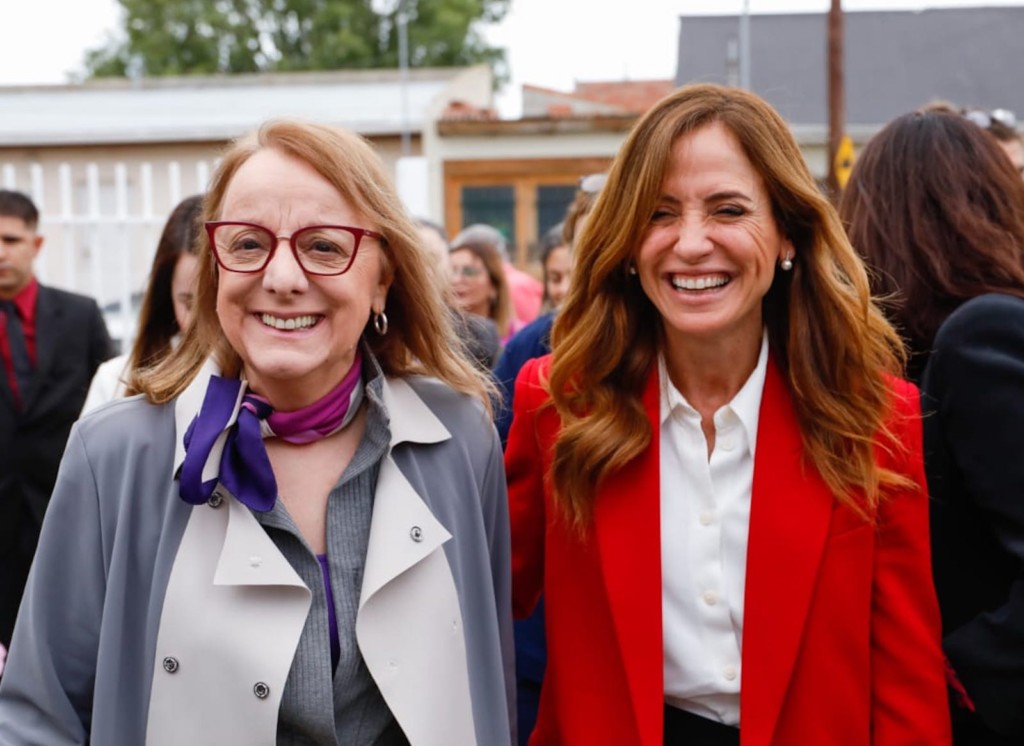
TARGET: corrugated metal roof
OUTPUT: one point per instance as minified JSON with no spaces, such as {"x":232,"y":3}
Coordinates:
{"x":895,"y":61}
{"x":215,"y":108}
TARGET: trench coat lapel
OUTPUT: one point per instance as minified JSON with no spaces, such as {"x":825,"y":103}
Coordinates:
{"x":789,"y":518}
{"x":409,"y":624}
{"x":627,"y":519}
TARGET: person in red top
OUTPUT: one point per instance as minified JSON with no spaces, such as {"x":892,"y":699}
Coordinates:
{"x":51,"y":343}
{"x":716,"y":478}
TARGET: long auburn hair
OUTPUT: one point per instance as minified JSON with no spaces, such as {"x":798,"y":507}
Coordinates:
{"x":937,"y":211}
{"x":421,"y":339}
{"x":831,"y":342}
{"x":157,"y":322}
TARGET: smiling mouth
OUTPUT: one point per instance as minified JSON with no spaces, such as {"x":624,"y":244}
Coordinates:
{"x":696,"y":284}
{"x":291,"y":324}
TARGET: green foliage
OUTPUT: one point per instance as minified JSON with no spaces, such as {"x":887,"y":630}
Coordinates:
{"x":186,"y":37}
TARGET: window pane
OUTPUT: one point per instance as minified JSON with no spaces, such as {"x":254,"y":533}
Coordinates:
{"x":494,"y":205}
{"x":552,"y":202}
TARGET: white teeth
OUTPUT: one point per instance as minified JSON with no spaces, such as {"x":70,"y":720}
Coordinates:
{"x":300,"y":322}
{"x":699,"y":283}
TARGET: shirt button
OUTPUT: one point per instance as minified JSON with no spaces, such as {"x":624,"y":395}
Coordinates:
{"x":710,"y":598}
{"x":706,"y":518}
{"x":416,"y":533}
{"x":216,"y":500}
{"x":255,"y":561}
{"x":261,"y":690}
{"x":729,"y":673}
{"x":727,"y":443}
{"x":170,"y":664}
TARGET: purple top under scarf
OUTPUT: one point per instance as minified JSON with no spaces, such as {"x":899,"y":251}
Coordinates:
{"x":332,"y":617}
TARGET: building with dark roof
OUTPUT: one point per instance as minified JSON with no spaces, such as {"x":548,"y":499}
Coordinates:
{"x":895,"y":61}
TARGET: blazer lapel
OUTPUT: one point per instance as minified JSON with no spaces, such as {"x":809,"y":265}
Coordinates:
{"x":6,"y":395}
{"x":789,"y":517}
{"x":627,"y":518}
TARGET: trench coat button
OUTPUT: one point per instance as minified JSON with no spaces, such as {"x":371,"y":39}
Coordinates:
{"x":216,"y":500}
{"x":416,"y":533}
{"x":261,"y":690}
{"x":170,"y":664}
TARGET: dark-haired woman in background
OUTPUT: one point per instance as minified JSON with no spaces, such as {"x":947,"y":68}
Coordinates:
{"x":166,"y":307}
{"x":937,"y":210}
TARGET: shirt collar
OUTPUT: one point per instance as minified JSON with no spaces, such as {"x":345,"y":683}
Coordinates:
{"x":746,"y":405}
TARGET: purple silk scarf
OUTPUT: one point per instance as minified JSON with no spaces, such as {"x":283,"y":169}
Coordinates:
{"x":245,"y":469}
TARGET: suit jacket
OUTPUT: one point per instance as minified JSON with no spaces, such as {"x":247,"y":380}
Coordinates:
{"x":973,"y":394}
{"x":71,"y":342}
{"x":841,"y":631}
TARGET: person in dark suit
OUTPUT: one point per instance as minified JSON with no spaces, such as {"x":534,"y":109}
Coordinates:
{"x":938,"y":212}
{"x":716,"y":478}
{"x":51,"y":342}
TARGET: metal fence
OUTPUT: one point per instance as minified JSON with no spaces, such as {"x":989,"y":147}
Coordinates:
{"x":101,"y":223}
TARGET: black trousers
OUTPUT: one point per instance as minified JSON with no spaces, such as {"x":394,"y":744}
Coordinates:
{"x":683,"y":728}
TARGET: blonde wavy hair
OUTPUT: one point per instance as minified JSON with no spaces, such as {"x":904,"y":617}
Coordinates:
{"x":832,"y":344}
{"x":421,"y":339}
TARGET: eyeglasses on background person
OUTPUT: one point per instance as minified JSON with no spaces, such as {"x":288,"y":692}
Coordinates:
{"x":467,"y":271}
{"x":319,"y":249}
{"x":984,"y":119}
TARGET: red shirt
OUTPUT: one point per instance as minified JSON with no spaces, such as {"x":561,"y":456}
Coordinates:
{"x":25,"y":302}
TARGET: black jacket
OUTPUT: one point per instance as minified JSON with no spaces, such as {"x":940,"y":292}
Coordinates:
{"x":973,"y":404}
{"x":71,"y":342}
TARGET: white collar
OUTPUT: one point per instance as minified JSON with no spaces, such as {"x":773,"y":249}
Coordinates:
{"x":746,"y":404}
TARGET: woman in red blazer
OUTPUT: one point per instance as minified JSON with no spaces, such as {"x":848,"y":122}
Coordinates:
{"x":716,"y":479}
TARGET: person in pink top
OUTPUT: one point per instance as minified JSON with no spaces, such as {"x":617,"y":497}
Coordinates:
{"x":526,"y":291}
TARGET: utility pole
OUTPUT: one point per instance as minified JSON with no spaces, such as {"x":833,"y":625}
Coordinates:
{"x":745,"y":46}
{"x":403,"y":71}
{"x":836,"y":94}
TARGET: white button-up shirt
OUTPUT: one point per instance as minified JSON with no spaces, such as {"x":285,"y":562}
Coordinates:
{"x":705,"y":517}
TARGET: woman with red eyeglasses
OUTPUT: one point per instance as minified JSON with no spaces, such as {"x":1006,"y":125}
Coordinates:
{"x":299,"y":533}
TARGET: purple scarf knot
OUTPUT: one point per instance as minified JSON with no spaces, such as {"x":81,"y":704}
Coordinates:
{"x":245,"y":469}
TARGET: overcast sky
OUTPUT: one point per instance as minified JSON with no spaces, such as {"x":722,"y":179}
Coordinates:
{"x":550,"y":42}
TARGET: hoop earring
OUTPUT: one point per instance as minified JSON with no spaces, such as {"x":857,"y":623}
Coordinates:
{"x":380,"y":323}
{"x":786,"y":264}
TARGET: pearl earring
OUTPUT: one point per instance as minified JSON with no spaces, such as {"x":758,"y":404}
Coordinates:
{"x":786,"y":264}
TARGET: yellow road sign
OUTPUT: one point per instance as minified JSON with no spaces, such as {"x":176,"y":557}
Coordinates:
{"x":844,"y":161}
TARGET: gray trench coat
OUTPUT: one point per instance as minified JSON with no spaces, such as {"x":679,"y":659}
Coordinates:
{"x":147,"y":620}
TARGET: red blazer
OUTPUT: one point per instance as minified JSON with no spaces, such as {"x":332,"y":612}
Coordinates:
{"x":841,"y":632}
